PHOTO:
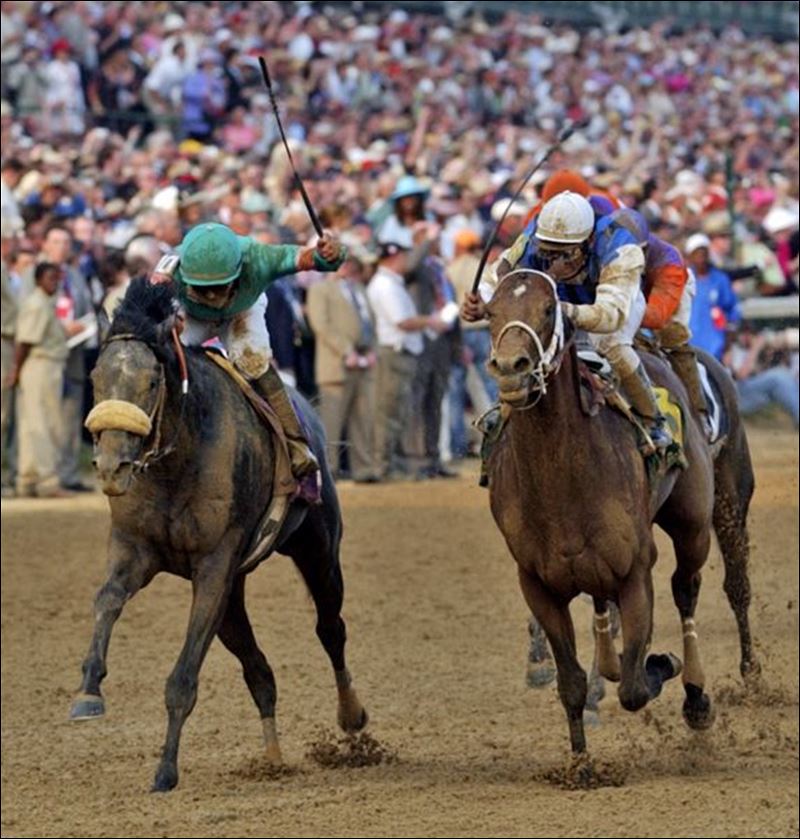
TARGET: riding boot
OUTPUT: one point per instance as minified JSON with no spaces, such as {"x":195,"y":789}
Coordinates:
{"x":639,"y":390}
{"x":270,"y":386}
{"x":683,"y":361}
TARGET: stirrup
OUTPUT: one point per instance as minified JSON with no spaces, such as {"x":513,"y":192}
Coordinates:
{"x":660,"y":433}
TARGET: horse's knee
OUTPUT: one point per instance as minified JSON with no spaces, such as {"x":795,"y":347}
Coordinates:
{"x":181,"y":691}
{"x":110,"y":599}
{"x":572,"y":689}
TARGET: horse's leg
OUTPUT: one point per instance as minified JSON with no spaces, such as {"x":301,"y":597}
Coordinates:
{"x":557,"y":624}
{"x":606,"y":654}
{"x":540,"y":671}
{"x":315,"y":550}
{"x":640,"y":680}
{"x":131,"y":567}
{"x":236,"y":634}
{"x":733,"y":489}
{"x":211,"y":585}
{"x":691,"y":550}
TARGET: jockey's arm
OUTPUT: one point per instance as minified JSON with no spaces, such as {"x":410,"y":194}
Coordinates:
{"x":666,"y":276}
{"x":619,"y":284}
{"x":327,"y":255}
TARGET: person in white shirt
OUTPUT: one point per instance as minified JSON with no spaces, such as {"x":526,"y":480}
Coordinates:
{"x":399,"y":336}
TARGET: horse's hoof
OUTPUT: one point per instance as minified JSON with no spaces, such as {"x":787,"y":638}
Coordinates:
{"x":660,"y":668}
{"x":86,"y":707}
{"x":697,"y":709}
{"x":356,"y":722}
{"x":751,"y":672}
{"x":540,"y":674}
{"x":166,"y":779}
{"x":591,"y":717}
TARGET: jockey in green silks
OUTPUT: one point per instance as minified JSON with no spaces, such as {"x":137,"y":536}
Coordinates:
{"x":220,"y":280}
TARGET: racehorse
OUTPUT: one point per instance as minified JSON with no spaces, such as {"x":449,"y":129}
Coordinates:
{"x":188,"y":476}
{"x":572,"y":497}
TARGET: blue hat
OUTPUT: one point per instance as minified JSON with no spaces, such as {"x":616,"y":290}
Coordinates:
{"x":409,"y":185}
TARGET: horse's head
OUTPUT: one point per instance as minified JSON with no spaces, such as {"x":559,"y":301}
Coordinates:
{"x":527,"y":335}
{"x":130,"y":387}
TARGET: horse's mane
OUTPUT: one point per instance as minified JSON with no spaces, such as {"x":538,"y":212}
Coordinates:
{"x":143,"y":309}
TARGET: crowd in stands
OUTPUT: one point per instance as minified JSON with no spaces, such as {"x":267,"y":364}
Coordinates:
{"x":123,"y":125}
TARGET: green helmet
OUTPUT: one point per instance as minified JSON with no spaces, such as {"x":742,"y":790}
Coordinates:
{"x":211,"y":254}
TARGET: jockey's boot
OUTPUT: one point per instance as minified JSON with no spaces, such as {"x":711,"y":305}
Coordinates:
{"x":271,"y":387}
{"x":639,"y":390}
{"x":683,"y":360}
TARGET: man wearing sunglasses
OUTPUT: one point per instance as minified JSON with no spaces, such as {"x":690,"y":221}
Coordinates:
{"x":597,"y":264}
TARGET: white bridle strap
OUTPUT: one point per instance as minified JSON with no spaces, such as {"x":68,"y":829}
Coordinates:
{"x":546,"y":356}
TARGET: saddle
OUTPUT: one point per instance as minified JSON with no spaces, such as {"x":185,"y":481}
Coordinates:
{"x":285,"y":487}
{"x":598,"y":387}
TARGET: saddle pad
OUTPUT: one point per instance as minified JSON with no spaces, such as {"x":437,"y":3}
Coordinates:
{"x":672,"y":411}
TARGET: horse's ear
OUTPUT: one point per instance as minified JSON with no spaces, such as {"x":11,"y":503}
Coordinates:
{"x":103,"y":324}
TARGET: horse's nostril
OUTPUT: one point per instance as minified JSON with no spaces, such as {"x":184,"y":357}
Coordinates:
{"x":492,"y":363}
{"x":522,"y":364}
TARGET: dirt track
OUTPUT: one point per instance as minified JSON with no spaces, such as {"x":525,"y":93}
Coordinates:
{"x":437,"y":647}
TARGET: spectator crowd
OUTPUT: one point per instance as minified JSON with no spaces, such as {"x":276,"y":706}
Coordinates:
{"x":123,"y":125}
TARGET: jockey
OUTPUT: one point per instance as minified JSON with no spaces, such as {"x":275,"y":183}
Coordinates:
{"x":220,"y":279}
{"x":598,"y":266}
{"x":669,"y":288}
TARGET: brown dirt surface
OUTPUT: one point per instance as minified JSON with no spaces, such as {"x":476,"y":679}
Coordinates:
{"x":456,"y":745}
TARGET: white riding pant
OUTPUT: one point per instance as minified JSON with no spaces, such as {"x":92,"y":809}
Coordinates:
{"x":244,"y":336}
{"x":617,"y":346}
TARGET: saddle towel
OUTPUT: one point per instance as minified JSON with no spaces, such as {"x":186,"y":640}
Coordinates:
{"x":284,"y":484}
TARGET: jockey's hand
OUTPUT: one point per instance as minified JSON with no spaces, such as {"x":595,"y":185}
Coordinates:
{"x":473,"y":308}
{"x":329,"y":247}
{"x":164,"y":270}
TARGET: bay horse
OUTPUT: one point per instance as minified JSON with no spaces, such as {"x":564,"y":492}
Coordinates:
{"x":572,"y":497}
{"x":188,"y":477}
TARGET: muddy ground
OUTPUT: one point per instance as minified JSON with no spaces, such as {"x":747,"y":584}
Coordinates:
{"x":437,"y":647}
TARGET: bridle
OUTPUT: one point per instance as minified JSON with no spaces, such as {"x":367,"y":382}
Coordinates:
{"x":549,"y":358}
{"x":123,"y":415}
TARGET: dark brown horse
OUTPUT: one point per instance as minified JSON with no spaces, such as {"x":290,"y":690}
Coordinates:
{"x":188,"y":478}
{"x":573,"y":500}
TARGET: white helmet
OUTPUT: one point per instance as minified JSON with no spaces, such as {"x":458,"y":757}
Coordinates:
{"x":566,"y":219}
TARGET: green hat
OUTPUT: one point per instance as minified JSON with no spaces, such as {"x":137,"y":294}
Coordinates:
{"x":211,"y":254}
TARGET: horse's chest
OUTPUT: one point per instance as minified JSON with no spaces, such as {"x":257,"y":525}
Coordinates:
{"x":566,"y":554}
{"x":177,"y":525}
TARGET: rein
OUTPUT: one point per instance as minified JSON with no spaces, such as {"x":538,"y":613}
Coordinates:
{"x":122,"y":415}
